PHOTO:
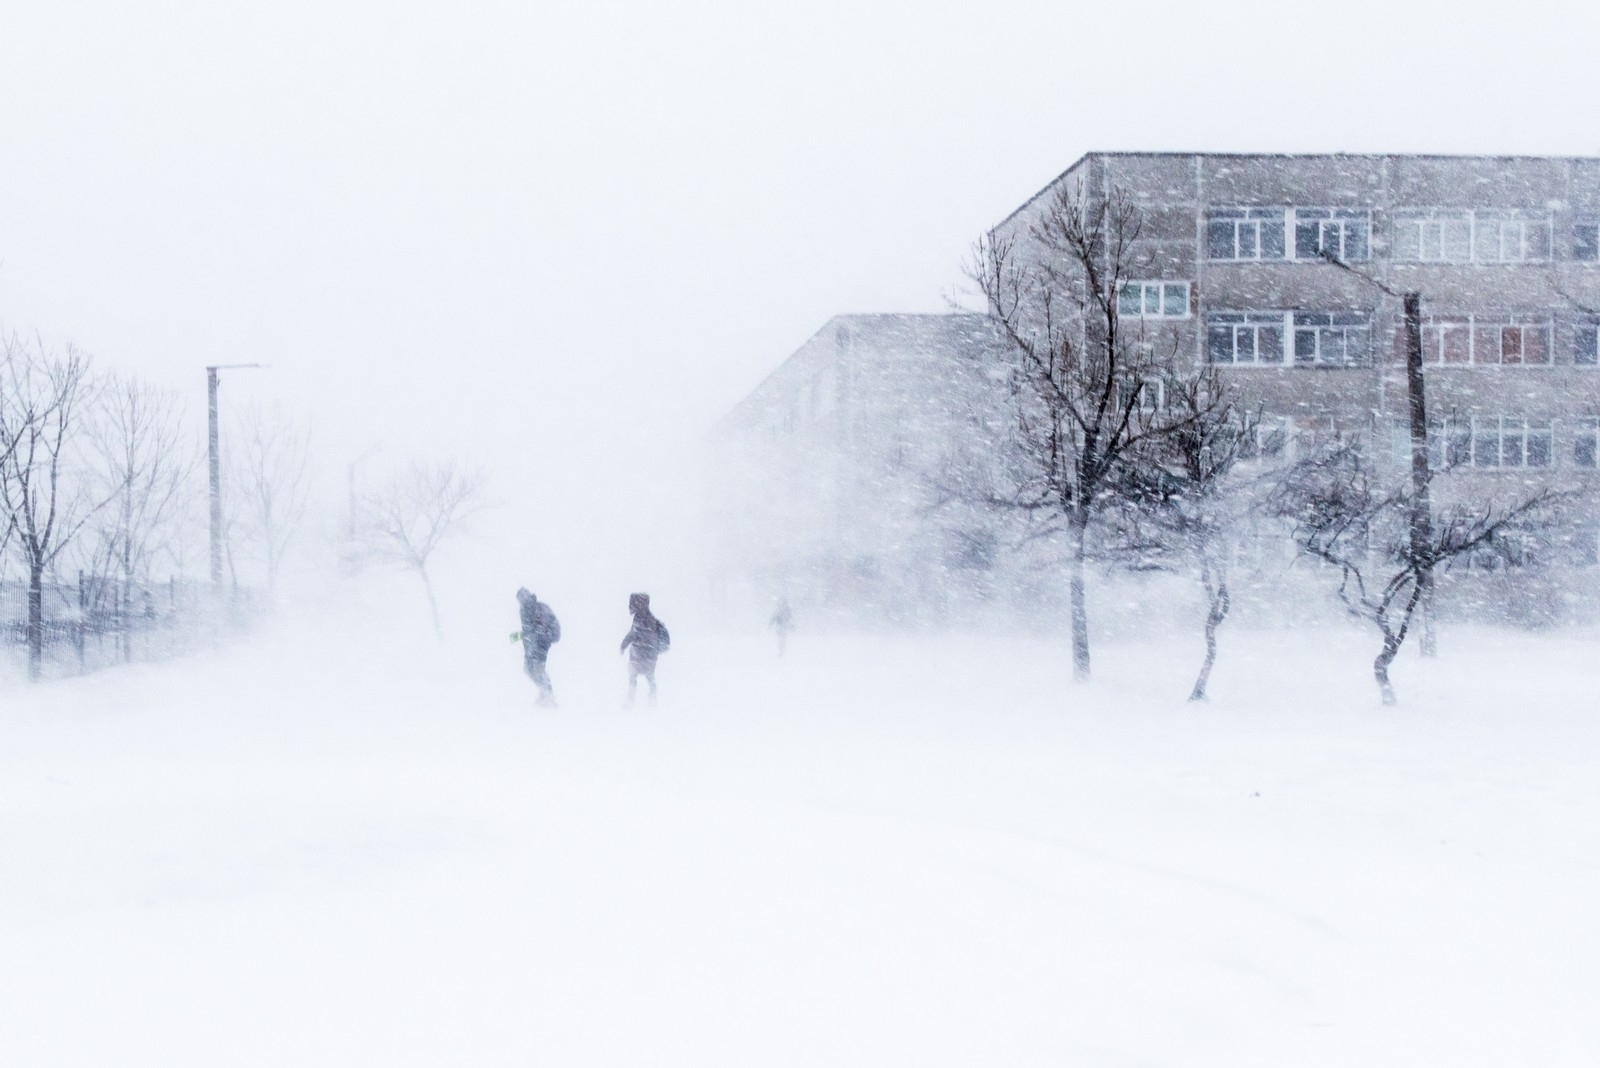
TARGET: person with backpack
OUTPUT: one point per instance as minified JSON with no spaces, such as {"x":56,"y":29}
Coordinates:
{"x":540,"y":630}
{"x":648,"y":639}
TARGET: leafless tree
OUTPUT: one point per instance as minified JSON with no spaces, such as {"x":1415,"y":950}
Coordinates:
{"x":43,"y":488}
{"x":266,"y":488}
{"x":1345,"y":516}
{"x":1082,"y":378}
{"x":1191,"y":488}
{"x":407,"y":518}
{"x":144,"y":465}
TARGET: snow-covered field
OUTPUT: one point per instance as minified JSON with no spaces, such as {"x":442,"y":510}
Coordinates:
{"x":878,"y":851}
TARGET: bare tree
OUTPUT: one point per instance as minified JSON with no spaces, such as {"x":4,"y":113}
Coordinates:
{"x":47,"y":499}
{"x":1190,"y":490}
{"x":267,"y":487}
{"x":408,"y":517}
{"x":144,"y":465}
{"x":1344,"y":516}
{"x":1081,"y":380}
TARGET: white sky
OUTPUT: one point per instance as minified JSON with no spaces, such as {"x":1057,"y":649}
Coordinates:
{"x":560,"y":234}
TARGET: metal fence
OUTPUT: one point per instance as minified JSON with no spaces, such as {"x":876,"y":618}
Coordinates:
{"x":97,"y":621}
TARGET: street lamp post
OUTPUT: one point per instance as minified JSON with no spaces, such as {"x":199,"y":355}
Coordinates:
{"x":1421,"y":517}
{"x":215,"y":457}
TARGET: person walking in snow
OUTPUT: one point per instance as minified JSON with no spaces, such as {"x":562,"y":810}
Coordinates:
{"x":540,"y":630}
{"x":782,"y":621}
{"x":648,"y":639}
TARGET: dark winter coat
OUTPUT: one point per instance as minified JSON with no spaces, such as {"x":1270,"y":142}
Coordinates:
{"x":540,"y":628}
{"x":648,"y":637}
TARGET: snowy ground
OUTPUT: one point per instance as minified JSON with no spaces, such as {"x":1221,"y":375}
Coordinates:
{"x":875,"y":852}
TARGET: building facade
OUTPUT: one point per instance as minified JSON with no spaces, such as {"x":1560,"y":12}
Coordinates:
{"x":1234,"y":273}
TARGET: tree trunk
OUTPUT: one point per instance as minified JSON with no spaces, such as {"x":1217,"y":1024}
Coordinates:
{"x":1393,"y":638}
{"x":1426,"y":639}
{"x":433,"y":605}
{"x":1217,"y":604}
{"x":1078,"y":522}
{"x":35,"y":622}
{"x":1380,"y":667}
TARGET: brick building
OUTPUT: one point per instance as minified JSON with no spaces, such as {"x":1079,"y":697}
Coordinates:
{"x":1505,"y":252}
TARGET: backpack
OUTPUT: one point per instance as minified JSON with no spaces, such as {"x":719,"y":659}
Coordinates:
{"x":663,"y":639}
{"x":549,"y":627}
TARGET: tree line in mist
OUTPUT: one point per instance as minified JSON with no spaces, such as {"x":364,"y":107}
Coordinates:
{"x":104,"y":504}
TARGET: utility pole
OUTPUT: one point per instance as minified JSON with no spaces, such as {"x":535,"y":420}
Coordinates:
{"x":213,"y":436}
{"x":1421,"y":517}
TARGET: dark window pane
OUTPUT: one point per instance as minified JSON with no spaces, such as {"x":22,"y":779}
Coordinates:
{"x":1586,"y":242}
{"x":1271,"y":239}
{"x":1219,"y":344}
{"x":1355,"y":242}
{"x":1333,"y":347}
{"x":1539,"y":448}
{"x":1486,"y":449}
{"x":1271,"y":344}
{"x":1219,"y":240}
{"x":1128,"y":299}
{"x":1511,"y":345}
{"x":1511,"y":450}
{"x":1305,"y":240}
{"x":1460,"y":446}
{"x":1305,"y":346}
{"x":1584,"y":350}
{"x":1583,"y":451}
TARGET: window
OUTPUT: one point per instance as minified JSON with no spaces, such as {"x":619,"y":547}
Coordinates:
{"x":1318,"y":339}
{"x":1332,"y":339}
{"x":1153,"y":300}
{"x":1486,"y":339}
{"x":1245,"y":234}
{"x":1433,"y":236}
{"x":1152,"y":393}
{"x":1586,"y":443}
{"x":1245,"y":337}
{"x":1585,"y":344}
{"x":1586,"y":242}
{"x":1510,"y":236}
{"x":1341,"y":232}
{"x":1471,"y":236}
{"x":1479,"y":441}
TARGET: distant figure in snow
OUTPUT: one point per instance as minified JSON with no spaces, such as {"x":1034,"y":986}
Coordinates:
{"x":648,"y":639}
{"x":782,"y":621}
{"x":540,"y":630}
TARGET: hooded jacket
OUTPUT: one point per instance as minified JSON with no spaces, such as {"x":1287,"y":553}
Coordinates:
{"x":648,"y":638}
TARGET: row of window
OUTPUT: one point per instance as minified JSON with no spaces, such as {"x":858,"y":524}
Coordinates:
{"x":1431,"y":235}
{"x":1344,"y":339}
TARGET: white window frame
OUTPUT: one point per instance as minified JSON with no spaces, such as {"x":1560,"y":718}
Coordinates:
{"x":1249,"y":324}
{"x":1481,"y":350}
{"x":1482,"y":442}
{"x":1472,"y":235}
{"x":1157,"y":299}
{"x":1245,"y":219}
{"x":1318,"y":336}
{"x":1339,"y":222}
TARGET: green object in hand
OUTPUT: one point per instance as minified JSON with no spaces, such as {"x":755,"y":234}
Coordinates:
{"x":517,"y":636}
